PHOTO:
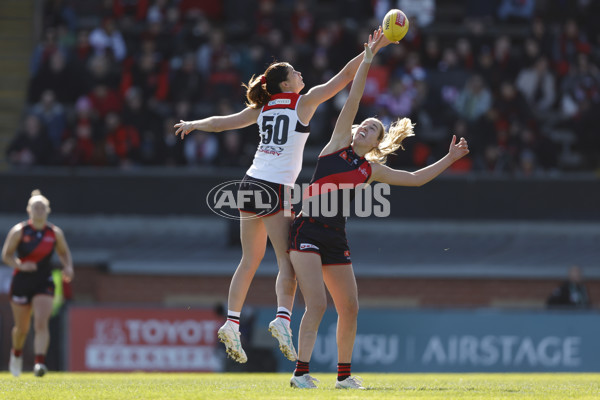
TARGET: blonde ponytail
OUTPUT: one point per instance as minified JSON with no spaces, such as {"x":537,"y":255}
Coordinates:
{"x":36,"y":195}
{"x":391,"y":141}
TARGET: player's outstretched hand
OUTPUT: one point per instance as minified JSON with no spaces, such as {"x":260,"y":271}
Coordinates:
{"x":184,"y":127}
{"x":458,"y":150}
{"x":379,"y":40}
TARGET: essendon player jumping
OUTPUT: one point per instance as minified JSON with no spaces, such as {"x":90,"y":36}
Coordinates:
{"x":318,"y":248}
{"x":28,"y":249}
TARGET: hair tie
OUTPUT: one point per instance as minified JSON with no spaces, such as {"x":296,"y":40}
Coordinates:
{"x":263,"y":80}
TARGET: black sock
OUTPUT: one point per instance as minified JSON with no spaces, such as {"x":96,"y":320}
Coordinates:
{"x":301,"y":368}
{"x":343,"y":371}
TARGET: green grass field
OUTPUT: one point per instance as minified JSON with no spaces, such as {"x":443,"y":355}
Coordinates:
{"x":82,"y":386}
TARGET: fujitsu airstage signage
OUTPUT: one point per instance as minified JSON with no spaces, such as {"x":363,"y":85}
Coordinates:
{"x":462,"y":341}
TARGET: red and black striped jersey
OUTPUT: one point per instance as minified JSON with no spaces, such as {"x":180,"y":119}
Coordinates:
{"x":37,"y":246}
{"x":334,"y":182}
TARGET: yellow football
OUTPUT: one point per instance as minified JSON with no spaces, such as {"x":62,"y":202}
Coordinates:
{"x":395,"y":25}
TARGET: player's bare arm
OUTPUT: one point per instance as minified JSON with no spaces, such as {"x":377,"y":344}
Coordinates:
{"x":219,"y":123}
{"x":385,"y":174}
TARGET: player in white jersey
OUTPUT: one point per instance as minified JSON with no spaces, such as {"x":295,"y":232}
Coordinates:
{"x":283,"y":117}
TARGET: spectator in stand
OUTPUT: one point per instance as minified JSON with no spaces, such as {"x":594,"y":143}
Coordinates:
{"x":504,"y":58}
{"x":146,"y":121}
{"x":580,"y":107}
{"x":477,"y":10}
{"x":466,"y":58}
{"x":186,"y":83}
{"x":211,"y":51}
{"x":195,"y":33}
{"x":79,"y":143}
{"x":134,"y":8}
{"x":122,"y":142}
{"x":107,"y":37}
{"x":211,"y":8}
{"x":151,"y":76}
{"x":30,"y":145}
{"x":53,"y":117}
{"x":56,"y":13}
{"x":399,"y":98}
{"x":162,"y":40}
{"x":78,"y":147}
{"x":512,"y":106}
{"x":105,"y":100}
{"x":266,"y":18}
{"x":102,"y":71}
{"x":303,"y":22}
{"x":158,"y":10}
{"x":201,"y":149}
{"x":419,"y":12}
{"x":224,"y":80}
{"x":540,"y":34}
{"x":169,"y":150}
{"x":182,"y":110}
{"x":378,"y":81}
{"x":136,"y":114}
{"x":572,"y":293}
{"x":537,"y":86}
{"x":571,"y":42}
{"x":57,"y":76}
{"x":488,"y":69}
{"x":232,"y":150}
{"x":432,"y":54}
{"x":516,"y":11}
{"x":44,"y":50}
{"x":231,"y":143}
{"x":82,"y":51}
{"x":531,"y":52}
{"x":474,"y":100}
{"x":513,"y":124}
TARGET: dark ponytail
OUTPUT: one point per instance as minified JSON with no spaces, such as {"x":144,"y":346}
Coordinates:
{"x":260,"y":88}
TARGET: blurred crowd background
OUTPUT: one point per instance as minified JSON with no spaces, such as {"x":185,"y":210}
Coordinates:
{"x":519,"y":79}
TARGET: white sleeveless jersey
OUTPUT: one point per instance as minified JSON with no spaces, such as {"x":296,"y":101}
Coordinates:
{"x":278,"y":158}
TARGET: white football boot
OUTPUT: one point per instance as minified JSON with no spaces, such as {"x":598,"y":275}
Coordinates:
{"x":283,"y":334}
{"x":351,"y":382}
{"x":15,"y":365}
{"x":303,"y":382}
{"x":230,"y":337}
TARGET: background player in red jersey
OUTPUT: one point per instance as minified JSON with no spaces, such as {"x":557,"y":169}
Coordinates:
{"x":28,"y":249}
{"x":318,"y":247}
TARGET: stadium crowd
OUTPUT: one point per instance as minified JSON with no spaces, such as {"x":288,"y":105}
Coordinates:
{"x":109,"y":79}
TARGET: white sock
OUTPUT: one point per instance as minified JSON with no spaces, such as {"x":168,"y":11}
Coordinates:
{"x":234,"y":317}
{"x":284,"y":314}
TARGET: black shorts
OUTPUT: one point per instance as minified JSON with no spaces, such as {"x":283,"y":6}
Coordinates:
{"x":263,"y":198}
{"x":26,"y":285}
{"x":308,"y":235}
